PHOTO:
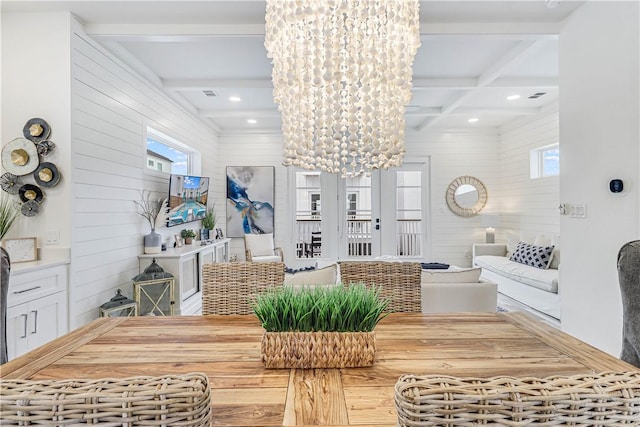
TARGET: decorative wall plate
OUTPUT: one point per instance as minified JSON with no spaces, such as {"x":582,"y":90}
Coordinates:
{"x":10,"y":183}
{"x":45,"y":147}
{"x":31,"y":192}
{"x":30,"y":208}
{"x":46,"y":175}
{"x":20,"y":157}
{"x":36,"y":129}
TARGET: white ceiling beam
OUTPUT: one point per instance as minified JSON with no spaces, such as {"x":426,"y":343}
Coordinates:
{"x":511,"y":58}
{"x":463,"y":83}
{"x":524,"y":82}
{"x":495,"y":111}
{"x":424,"y":83}
{"x":170,"y":32}
{"x":226,"y":114}
{"x":202,"y":84}
{"x":191,"y":32}
{"x":521,"y":30}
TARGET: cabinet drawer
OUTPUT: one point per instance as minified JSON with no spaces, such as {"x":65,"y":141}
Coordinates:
{"x":25,"y":286}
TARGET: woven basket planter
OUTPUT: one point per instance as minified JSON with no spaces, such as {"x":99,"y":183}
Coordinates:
{"x":318,"y":349}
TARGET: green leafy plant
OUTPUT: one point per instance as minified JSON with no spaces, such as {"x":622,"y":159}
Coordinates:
{"x":209,"y":220}
{"x":9,"y":213}
{"x":353,"y":308}
{"x":147,"y":208}
{"x":188,"y":233}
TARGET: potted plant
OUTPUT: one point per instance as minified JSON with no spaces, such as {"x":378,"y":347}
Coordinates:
{"x":209,"y":222}
{"x":188,"y":236}
{"x":319,"y":327}
{"x":149,"y":210}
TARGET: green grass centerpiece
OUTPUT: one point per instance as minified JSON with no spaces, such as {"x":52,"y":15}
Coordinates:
{"x":319,"y":327}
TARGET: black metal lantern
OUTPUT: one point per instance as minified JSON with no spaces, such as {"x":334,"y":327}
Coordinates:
{"x":153,"y":290}
{"x":119,"y":306}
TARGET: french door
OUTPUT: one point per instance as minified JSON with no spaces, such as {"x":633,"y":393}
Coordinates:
{"x":364,"y":217}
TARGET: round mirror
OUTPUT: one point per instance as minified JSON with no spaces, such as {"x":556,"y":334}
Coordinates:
{"x":466,"y":196}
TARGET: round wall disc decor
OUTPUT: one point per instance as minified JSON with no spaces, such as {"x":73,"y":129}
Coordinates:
{"x":36,"y":129}
{"x":20,"y":157}
{"x":10,"y":183}
{"x":31,"y":192}
{"x":46,"y":175}
{"x":30,"y":208}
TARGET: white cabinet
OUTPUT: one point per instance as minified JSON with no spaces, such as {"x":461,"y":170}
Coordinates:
{"x":36,"y":307}
{"x":185,"y":264}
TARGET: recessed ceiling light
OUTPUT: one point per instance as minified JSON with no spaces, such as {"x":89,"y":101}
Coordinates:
{"x":235,"y":99}
{"x":252,"y":121}
{"x":473,"y":119}
{"x":513,"y":97}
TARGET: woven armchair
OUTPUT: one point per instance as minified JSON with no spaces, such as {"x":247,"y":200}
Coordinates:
{"x":170,"y":400}
{"x":400,"y":281}
{"x":228,"y":287}
{"x":587,"y":400}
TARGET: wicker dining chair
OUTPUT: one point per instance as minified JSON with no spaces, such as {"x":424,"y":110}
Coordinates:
{"x":609,"y":398}
{"x":399,"y":281}
{"x":228,"y":287}
{"x":162,"y":401}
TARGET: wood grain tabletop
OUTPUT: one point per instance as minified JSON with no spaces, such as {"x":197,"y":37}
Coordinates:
{"x":244,"y":393}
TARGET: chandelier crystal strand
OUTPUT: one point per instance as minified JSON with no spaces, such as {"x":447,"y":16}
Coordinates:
{"x":342,"y":73}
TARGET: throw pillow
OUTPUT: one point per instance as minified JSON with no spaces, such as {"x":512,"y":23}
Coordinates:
{"x":535,"y":256}
{"x":321,"y":276}
{"x":469,"y":275}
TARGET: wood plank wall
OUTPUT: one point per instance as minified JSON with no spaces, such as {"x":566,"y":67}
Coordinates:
{"x":530,"y":205}
{"x":111,"y":107}
{"x":453,"y":154}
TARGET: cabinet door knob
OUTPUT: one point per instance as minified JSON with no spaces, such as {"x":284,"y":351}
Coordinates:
{"x":35,"y":321}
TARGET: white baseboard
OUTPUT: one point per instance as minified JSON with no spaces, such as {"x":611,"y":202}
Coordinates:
{"x":512,"y":305}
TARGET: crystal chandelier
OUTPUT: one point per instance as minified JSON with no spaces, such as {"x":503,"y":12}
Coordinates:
{"x":341,"y":75}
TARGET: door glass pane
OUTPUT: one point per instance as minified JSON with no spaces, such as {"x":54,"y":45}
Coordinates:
{"x":358,"y":210}
{"x":409,"y":213}
{"x":308,"y":215}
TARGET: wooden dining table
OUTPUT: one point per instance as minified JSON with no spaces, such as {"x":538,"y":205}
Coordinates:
{"x":244,"y":393}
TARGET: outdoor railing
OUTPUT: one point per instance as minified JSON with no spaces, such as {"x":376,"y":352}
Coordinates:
{"x":408,"y":237}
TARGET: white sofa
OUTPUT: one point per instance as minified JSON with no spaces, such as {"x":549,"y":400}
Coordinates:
{"x":442,"y":291}
{"x":534,"y":287}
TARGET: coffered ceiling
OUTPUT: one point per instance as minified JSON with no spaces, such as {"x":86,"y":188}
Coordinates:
{"x":474,"y":55}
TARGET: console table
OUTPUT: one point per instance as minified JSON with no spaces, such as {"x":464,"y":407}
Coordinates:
{"x":185,"y":263}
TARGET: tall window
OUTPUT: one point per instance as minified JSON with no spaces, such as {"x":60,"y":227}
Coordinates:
{"x":409,"y":213}
{"x":545,"y":161}
{"x":165,"y":154}
{"x":308,"y":212}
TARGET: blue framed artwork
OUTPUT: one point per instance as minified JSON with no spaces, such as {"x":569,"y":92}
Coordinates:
{"x":250,"y":200}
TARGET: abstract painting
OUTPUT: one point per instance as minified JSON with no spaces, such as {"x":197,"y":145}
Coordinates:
{"x":250,"y":200}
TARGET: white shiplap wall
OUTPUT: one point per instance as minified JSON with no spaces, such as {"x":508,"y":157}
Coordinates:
{"x":529,"y":205}
{"x":449,"y":154}
{"x":111,"y":107}
{"x":453,"y":154}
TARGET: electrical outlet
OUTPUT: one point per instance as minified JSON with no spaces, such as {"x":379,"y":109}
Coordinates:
{"x":52,"y":238}
{"x":579,"y":211}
